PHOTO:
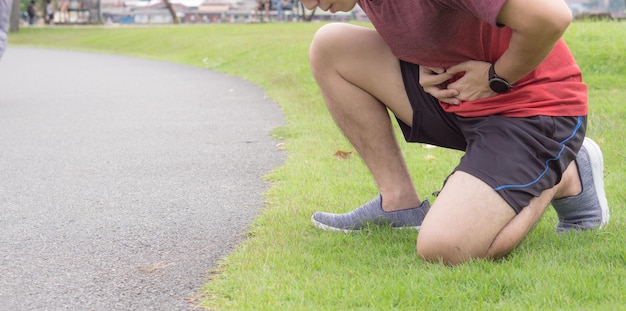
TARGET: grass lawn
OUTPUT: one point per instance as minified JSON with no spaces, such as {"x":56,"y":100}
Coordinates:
{"x":286,"y":264}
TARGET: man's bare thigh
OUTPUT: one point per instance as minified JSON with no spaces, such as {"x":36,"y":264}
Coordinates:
{"x":361,"y":56}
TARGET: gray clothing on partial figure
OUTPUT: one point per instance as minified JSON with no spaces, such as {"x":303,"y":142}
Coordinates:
{"x":5,"y":16}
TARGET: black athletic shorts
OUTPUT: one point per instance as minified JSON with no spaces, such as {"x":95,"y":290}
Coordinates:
{"x":518,"y":157}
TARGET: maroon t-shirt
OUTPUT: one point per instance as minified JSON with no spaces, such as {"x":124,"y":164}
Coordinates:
{"x":442,"y":33}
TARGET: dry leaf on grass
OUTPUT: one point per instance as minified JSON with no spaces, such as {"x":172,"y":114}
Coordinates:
{"x":343,"y":155}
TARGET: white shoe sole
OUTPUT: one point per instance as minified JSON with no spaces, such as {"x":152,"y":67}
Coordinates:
{"x":597,"y":173}
{"x":322,"y":226}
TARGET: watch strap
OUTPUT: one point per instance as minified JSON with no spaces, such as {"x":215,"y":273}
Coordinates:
{"x":496,"y":83}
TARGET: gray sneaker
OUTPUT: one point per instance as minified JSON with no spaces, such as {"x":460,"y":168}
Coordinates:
{"x":589,"y":209}
{"x":371,"y":213}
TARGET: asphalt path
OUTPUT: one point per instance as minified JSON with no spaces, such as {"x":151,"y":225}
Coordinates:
{"x":123,"y":181}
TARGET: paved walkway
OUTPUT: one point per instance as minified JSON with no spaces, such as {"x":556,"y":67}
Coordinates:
{"x":122,"y":180}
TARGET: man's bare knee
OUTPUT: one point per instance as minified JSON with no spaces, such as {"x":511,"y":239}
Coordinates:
{"x":324,"y":43}
{"x":463,"y":223}
{"x":441,"y":248}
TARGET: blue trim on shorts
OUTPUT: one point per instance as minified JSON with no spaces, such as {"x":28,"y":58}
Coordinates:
{"x":578,"y":125}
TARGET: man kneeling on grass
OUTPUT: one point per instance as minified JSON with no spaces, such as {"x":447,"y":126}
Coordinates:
{"x":495,"y":80}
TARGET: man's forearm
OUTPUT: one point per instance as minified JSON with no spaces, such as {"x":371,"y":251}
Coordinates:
{"x":537,"y":26}
{"x":522,"y":57}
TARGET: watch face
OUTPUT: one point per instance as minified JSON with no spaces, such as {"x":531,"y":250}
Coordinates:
{"x":499,"y":85}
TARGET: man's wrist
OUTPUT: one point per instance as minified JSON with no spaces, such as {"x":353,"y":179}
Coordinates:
{"x":497,"y":83}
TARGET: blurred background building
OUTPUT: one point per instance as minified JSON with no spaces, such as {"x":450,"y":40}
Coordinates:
{"x":240,"y":11}
{"x":208,"y":11}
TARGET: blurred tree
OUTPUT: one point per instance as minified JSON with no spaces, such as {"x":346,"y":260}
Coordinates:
{"x":170,"y":8}
{"x":16,"y":15}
